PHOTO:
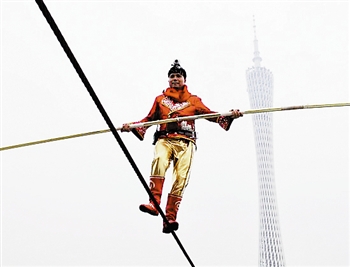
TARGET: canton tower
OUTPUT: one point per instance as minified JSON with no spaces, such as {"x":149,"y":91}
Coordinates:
{"x":260,"y":89}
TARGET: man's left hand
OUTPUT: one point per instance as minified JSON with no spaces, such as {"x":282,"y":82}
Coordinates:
{"x":236,"y":113}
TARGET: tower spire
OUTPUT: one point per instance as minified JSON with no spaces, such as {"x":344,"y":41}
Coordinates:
{"x":257,"y":59}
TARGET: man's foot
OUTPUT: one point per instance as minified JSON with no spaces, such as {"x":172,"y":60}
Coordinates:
{"x":173,"y":226}
{"x":149,"y":208}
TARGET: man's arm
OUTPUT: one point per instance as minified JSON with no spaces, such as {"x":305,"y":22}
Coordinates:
{"x":140,"y":132}
{"x":224,"y":121}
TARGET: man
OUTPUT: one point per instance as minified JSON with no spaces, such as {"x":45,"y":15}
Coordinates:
{"x":174,"y":141}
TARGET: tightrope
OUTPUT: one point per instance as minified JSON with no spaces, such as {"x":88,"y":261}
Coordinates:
{"x":195,"y":117}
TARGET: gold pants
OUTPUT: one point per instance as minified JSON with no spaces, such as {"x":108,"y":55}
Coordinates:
{"x":181,"y":153}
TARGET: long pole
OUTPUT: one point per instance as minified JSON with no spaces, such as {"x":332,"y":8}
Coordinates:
{"x":195,"y":117}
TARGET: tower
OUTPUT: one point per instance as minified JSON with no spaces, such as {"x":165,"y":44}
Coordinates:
{"x":260,"y":89}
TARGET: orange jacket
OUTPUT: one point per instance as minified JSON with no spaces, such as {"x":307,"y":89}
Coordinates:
{"x":165,"y":106}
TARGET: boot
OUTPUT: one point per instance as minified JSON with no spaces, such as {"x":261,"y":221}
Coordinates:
{"x":172,"y":208}
{"x":156,"y":187}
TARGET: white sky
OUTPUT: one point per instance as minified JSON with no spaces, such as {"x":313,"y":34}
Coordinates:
{"x":75,"y":202}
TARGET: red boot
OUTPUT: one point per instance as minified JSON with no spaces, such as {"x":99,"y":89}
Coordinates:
{"x":172,"y":208}
{"x":156,"y":186}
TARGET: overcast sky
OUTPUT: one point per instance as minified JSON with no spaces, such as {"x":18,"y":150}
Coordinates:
{"x":75,"y":202}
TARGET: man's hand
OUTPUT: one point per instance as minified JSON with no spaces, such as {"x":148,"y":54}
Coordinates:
{"x":125,"y":127}
{"x":236,"y":113}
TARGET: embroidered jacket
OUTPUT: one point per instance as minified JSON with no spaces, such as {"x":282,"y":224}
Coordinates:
{"x":165,"y":106}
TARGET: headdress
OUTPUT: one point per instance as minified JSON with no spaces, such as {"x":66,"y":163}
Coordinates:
{"x":176,"y":68}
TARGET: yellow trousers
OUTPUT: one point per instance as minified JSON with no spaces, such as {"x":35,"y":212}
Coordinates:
{"x":179,"y":151}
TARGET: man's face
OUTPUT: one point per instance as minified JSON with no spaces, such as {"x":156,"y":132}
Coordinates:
{"x":176,"y":81}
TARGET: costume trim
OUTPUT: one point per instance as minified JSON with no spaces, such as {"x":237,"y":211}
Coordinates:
{"x":169,"y":103}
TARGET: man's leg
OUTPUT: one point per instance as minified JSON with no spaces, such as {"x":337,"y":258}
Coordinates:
{"x":183,"y":156}
{"x":160,"y":164}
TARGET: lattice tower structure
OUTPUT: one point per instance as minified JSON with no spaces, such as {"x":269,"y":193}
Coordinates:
{"x":260,"y":89}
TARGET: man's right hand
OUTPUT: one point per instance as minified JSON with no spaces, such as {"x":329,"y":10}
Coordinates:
{"x":125,"y":127}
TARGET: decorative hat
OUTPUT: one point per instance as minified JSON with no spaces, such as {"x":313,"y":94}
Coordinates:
{"x":176,"y":68}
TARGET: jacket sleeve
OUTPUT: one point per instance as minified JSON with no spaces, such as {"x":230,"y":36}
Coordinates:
{"x":224,"y":121}
{"x":153,"y":115}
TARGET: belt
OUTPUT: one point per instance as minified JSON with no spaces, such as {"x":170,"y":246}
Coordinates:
{"x":158,"y":134}
{"x":190,"y":134}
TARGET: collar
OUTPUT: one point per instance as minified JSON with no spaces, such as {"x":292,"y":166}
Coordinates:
{"x":178,"y":95}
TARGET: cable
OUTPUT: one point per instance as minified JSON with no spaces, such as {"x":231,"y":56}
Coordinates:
{"x":92,"y":93}
{"x":195,"y":117}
